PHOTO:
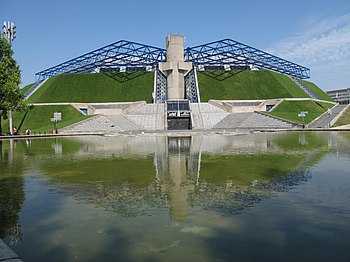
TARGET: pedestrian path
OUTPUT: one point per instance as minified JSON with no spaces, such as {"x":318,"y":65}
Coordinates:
{"x":325,"y":120}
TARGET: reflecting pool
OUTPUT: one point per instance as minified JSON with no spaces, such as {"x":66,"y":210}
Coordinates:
{"x":259,"y":197}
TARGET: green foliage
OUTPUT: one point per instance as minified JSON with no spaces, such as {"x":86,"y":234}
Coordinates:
{"x":322,"y":95}
{"x":344,"y":119}
{"x":230,"y":85}
{"x":87,"y":88}
{"x":289,"y":110}
{"x":10,"y":78}
{"x":38,"y":118}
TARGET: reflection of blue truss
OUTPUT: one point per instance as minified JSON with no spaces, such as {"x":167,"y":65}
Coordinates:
{"x":232,"y":53}
{"x":220,"y":53}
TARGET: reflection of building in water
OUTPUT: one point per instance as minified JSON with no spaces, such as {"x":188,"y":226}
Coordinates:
{"x":177,"y":171}
{"x":57,"y":147}
{"x":177,"y":160}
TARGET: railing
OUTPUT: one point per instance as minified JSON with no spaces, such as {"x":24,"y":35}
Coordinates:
{"x":33,"y":89}
{"x":304,"y":87}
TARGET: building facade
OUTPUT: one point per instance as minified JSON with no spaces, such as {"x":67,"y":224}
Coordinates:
{"x":342,"y":96}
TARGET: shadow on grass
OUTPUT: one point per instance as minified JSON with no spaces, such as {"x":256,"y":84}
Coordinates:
{"x":123,"y":77}
{"x":221,"y":75}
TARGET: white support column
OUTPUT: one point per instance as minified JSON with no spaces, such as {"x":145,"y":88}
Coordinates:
{"x":10,"y":122}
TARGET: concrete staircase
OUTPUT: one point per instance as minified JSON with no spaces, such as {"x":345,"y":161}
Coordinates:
{"x":252,"y":120}
{"x":304,"y":87}
{"x":205,"y":115}
{"x":33,"y":88}
{"x":325,"y":120}
{"x":149,"y":117}
{"x":102,"y":124}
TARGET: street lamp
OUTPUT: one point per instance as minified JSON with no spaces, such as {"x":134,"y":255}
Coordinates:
{"x":9,"y":31}
{"x":57,"y":116}
{"x":303,"y":114}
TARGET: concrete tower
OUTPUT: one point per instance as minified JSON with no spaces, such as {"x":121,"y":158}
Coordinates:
{"x":175,"y":68}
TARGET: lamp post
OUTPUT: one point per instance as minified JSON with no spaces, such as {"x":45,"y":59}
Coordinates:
{"x":57,"y":116}
{"x":303,"y":114}
{"x":9,"y":31}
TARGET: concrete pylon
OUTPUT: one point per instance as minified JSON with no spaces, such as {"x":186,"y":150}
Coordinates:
{"x":175,"y":68}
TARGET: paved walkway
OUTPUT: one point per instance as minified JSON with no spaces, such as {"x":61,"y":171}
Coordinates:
{"x":7,"y":254}
{"x":325,"y":120}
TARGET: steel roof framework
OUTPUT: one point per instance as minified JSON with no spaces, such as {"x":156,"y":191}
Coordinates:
{"x":131,"y":54}
{"x":230,"y":52}
{"x":121,"y":53}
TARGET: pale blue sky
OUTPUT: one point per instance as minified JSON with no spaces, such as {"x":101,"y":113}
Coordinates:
{"x":313,"y":33}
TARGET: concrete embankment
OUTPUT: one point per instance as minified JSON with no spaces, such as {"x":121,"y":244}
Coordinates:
{"x":7,"y":254}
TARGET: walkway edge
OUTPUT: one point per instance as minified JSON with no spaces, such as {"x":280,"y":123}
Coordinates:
{"x":7,"y":254}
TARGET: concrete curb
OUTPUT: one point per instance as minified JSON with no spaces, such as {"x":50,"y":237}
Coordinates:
{"x":7,"y":254}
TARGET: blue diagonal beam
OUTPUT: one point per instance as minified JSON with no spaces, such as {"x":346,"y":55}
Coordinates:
{"x":230,"y":52}
{"x":122,"y":53}
{"x":223,"y":52}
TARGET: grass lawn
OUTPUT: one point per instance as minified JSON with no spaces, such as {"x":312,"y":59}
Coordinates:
{"x":344,"y":119}
{"x":289,"y":110}
{"x":85,"y":88}
{"x":38,"y":118}
{"x":321,"y":94}
{"x":231,"y":85}
{"x":26,"y":88}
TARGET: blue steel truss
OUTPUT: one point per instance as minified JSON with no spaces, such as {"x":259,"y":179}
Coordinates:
{"x":233,"y":53}
{"x":116,"y":55}
{"x":220,"y":53}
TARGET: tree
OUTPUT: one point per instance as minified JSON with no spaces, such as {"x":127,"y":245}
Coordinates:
{"x":10,"y":78}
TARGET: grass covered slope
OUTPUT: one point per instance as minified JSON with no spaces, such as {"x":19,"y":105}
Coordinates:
{"x":289,"y":110}
{"x":38,"y":118}
{"x":26,"y":88}
{"x":317,"y":91}
{"x":244,"y":85}
{"x":344,"y":119}
{"x":99,"y":87}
